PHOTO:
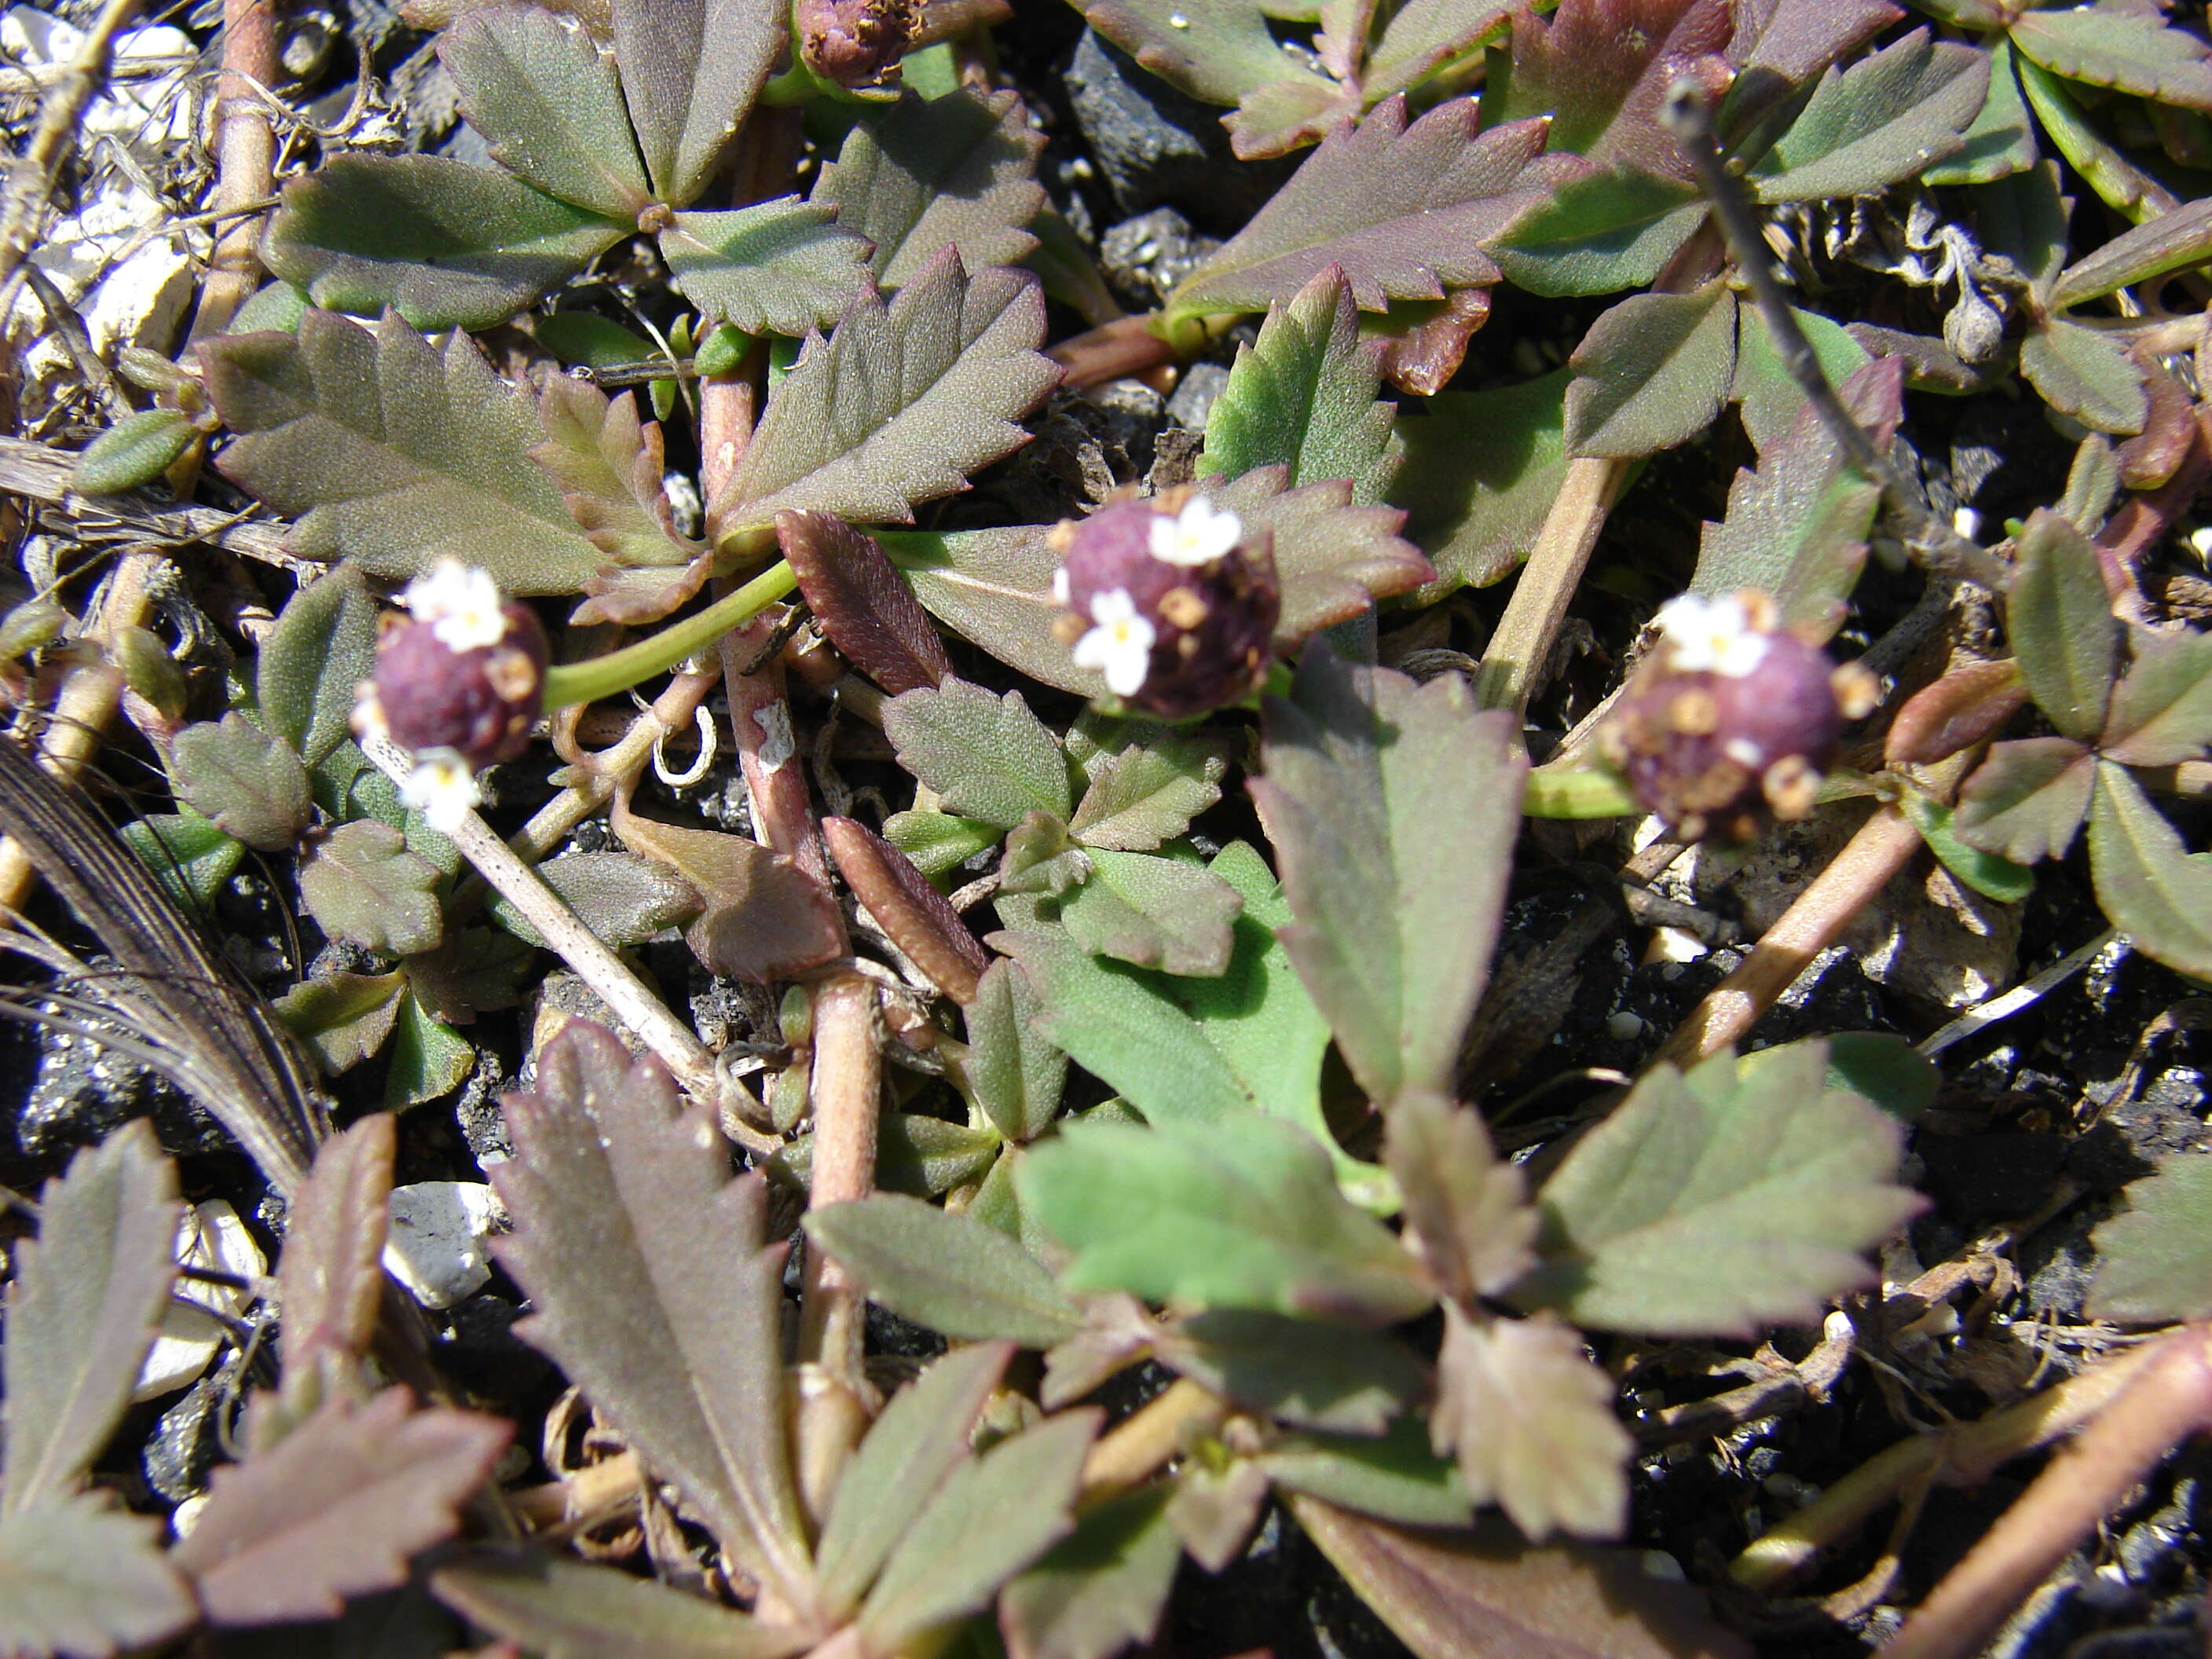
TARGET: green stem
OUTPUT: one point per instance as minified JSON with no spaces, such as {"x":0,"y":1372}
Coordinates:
{"x":1591,"y":791}
{"x":617,"y":670}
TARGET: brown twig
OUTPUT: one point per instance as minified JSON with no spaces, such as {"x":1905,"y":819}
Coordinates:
{"x":2168,"y":1400}
{"x":247,"y":152}
{"x":1112,"y":351}
{"x":31,"y":180}
{"x":1514,"y":657}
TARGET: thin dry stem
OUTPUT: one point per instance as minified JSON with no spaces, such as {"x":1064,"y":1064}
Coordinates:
{"x":1514,"y":657}
{"x":1145,"y":1441}
{"x":246,"y":151}
{"x":2169,"y":1399}
{"x":1112,"y":351}
{"x":31,"y":180}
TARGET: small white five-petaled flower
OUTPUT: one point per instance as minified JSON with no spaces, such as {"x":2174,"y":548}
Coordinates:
{"x":460,"y":602}
{"x":442,"y":789}
{"x":1196,"y":536}
{"x":1711,"y":636}
{"x":1120,"y":646}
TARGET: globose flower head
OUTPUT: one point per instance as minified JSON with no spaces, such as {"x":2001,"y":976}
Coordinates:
{"x":458,"y":685}
{"x":1173,"y":600}
{"x":854,"y":43}
{"x":1730,"y":720}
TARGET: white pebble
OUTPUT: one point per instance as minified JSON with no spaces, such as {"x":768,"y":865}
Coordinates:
{"x":436,"y":1246}
{"x":211,"y":1238}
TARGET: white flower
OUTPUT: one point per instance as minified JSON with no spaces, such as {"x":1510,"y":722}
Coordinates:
{"x":442,"y":788}
{"x":460,"y":602}
{"x":1120,"y":646}
{"x":1059,"y":585}
{"x":1711,"y":635}
{"x":1196,"y":536}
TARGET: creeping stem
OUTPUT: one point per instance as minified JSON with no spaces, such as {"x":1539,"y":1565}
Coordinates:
{"x":595,"y":678}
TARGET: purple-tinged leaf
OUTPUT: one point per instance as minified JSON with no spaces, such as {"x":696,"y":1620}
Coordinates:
{"x":691,"y":71}
{"x":1098,"y":1590}
{"x":623,"y":898}
{"x":1241,"y":1213}
{"x":2151,"y":887}
{"x":2167,"y":243}
{"x":393,"y":452}
{"x":343,"y":1019}
{"x":1652,"y":372}
{"x":959,"y":169}
{"x":985,"y":755}
{"x":1424,"y":341}
{"x":2155,"y":1259}
{"x":250,"y":784}
{"x":608,"y":465}
{"x":1393,"y":1476}
{"x":544,"y":97}
{"x":1963,"y":708}
{"x":1714,"y":1202}
{"x":1796,"y":526}
{"x":2129,"y":51}
{"x":1532,"y":1421}
{"x":81,"y":1579}
{"x":361,"y":883}
{"x":134,"y":452}
{"x":2026,"y":799}
{"x":992,"y":1517}
{"x":562,"y":1608}
{"x":636,"y":596}
{"x":1986,"y":873}
{"x":444,"y":244}
{"x":329,"y":1278}
{"x":948,"y":1272}
{"x":1422,"y":37}
{"x":1404,"y":210}
{"x":1344,"y":1379}
{"x":1392,"y":807}
{"x":1467,"y":1211}
{"x":336,"y":1508}
{"x":778,"y":267}
{"x":87,"y":1300}
{"x":1883,"y":120}
{"x":1012,"y":1070}
{"x":1780,"y":45}
{"x":1153,"y":912}
{"x":1450,"y":1594}
{"x":899,"y":899}
{"x":1215,"y":50}
{"x":866,"y":607}
{"x":311,"y":664}
{"x":2082,"y":373}
{"x":917,"y":1443}
{"x":764,"y":919}
{"x":1277,"y":118}
{"x":1215,"y":1510}
{"x":1146,"y":786}
{"x":2161,"y":712}
{"x":2063,"y":633}
{"x":900,"y":403}
{"x":1598,"y":70}
{"x":1600,"y":234}
{"x":1303,"y":397}
{"x":669,"y":1318}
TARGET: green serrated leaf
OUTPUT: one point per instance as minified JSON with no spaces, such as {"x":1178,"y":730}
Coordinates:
{"x":1042,"y":858}
{"x":1302,"y":396}
{"x":133,"y":452}
{"x":1392,"y":808}
{"x":1147,"y":787}
{"x":363,"y":884}
{"x":1652,"y":372}
{"x":1100,"y":1590}
{"x":946,"y":1271}
{"x":250,"y":784}
{"x":623,"y":900}
{"x":1153,"y":911}
{"x":1988,"y":874}
{"x":86,"y":1304}
{"x":776,"y":267}
{"x":1482,"y":470}
{"x":2082,"y":373}
{"x":1714,"y":1202}
{"x":428,"y":1058}
{"x":987,"y":756}
{"x":1346,"y":1380}
{"x":1767,"y":395}
{"x":2060,"y":617}
{"x":394,"y":453}
{"x":1394,"y":1476}
{"x":1885,"y":1068}
{"x":79,"y":1577}
{"x":900,"y":403}
{"x":1404,"y":210}
{"x":691,"y":71}
{"x":1467,"y":1212}
{"x":958,"y":169}
{"x":1013,"y":1070}
{"x":2155,"y":1259}
{"x":2000,"y":142}
{"x":1886,"y":118}
{"x":1599,"y":234}
{"x":193,"y":859}
{"x":2162,"y":709}
{"x":444,"y":244}
{"x":314,"y":661}
{"x":1216,"y":50}
{"x":1796,"y":526}
{"x":343,"y":1018}
{"x":2026,"y":799}
{"x":939,"y":842}
{"x":546,"y":99}
{"x":2127,"y":52}
{"x":595,"y":342}
{"x":2151,"y":887}
{"x":1240,"y":1213}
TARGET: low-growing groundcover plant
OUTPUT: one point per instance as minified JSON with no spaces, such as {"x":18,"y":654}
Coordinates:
{"x":1116,"y":982}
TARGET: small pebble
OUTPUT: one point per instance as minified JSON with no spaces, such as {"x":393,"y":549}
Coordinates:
{"x":436,"y":1247}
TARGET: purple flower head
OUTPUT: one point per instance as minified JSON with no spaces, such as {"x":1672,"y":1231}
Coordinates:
{"x":1730,"y":720}
{"x":854,"y":43}
{"x":1172,"y":600}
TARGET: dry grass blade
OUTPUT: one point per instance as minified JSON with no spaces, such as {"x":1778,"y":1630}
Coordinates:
{"x":200,"y":1025}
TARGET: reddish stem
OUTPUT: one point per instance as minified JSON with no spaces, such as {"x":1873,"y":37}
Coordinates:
{"x":246,"y":151}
